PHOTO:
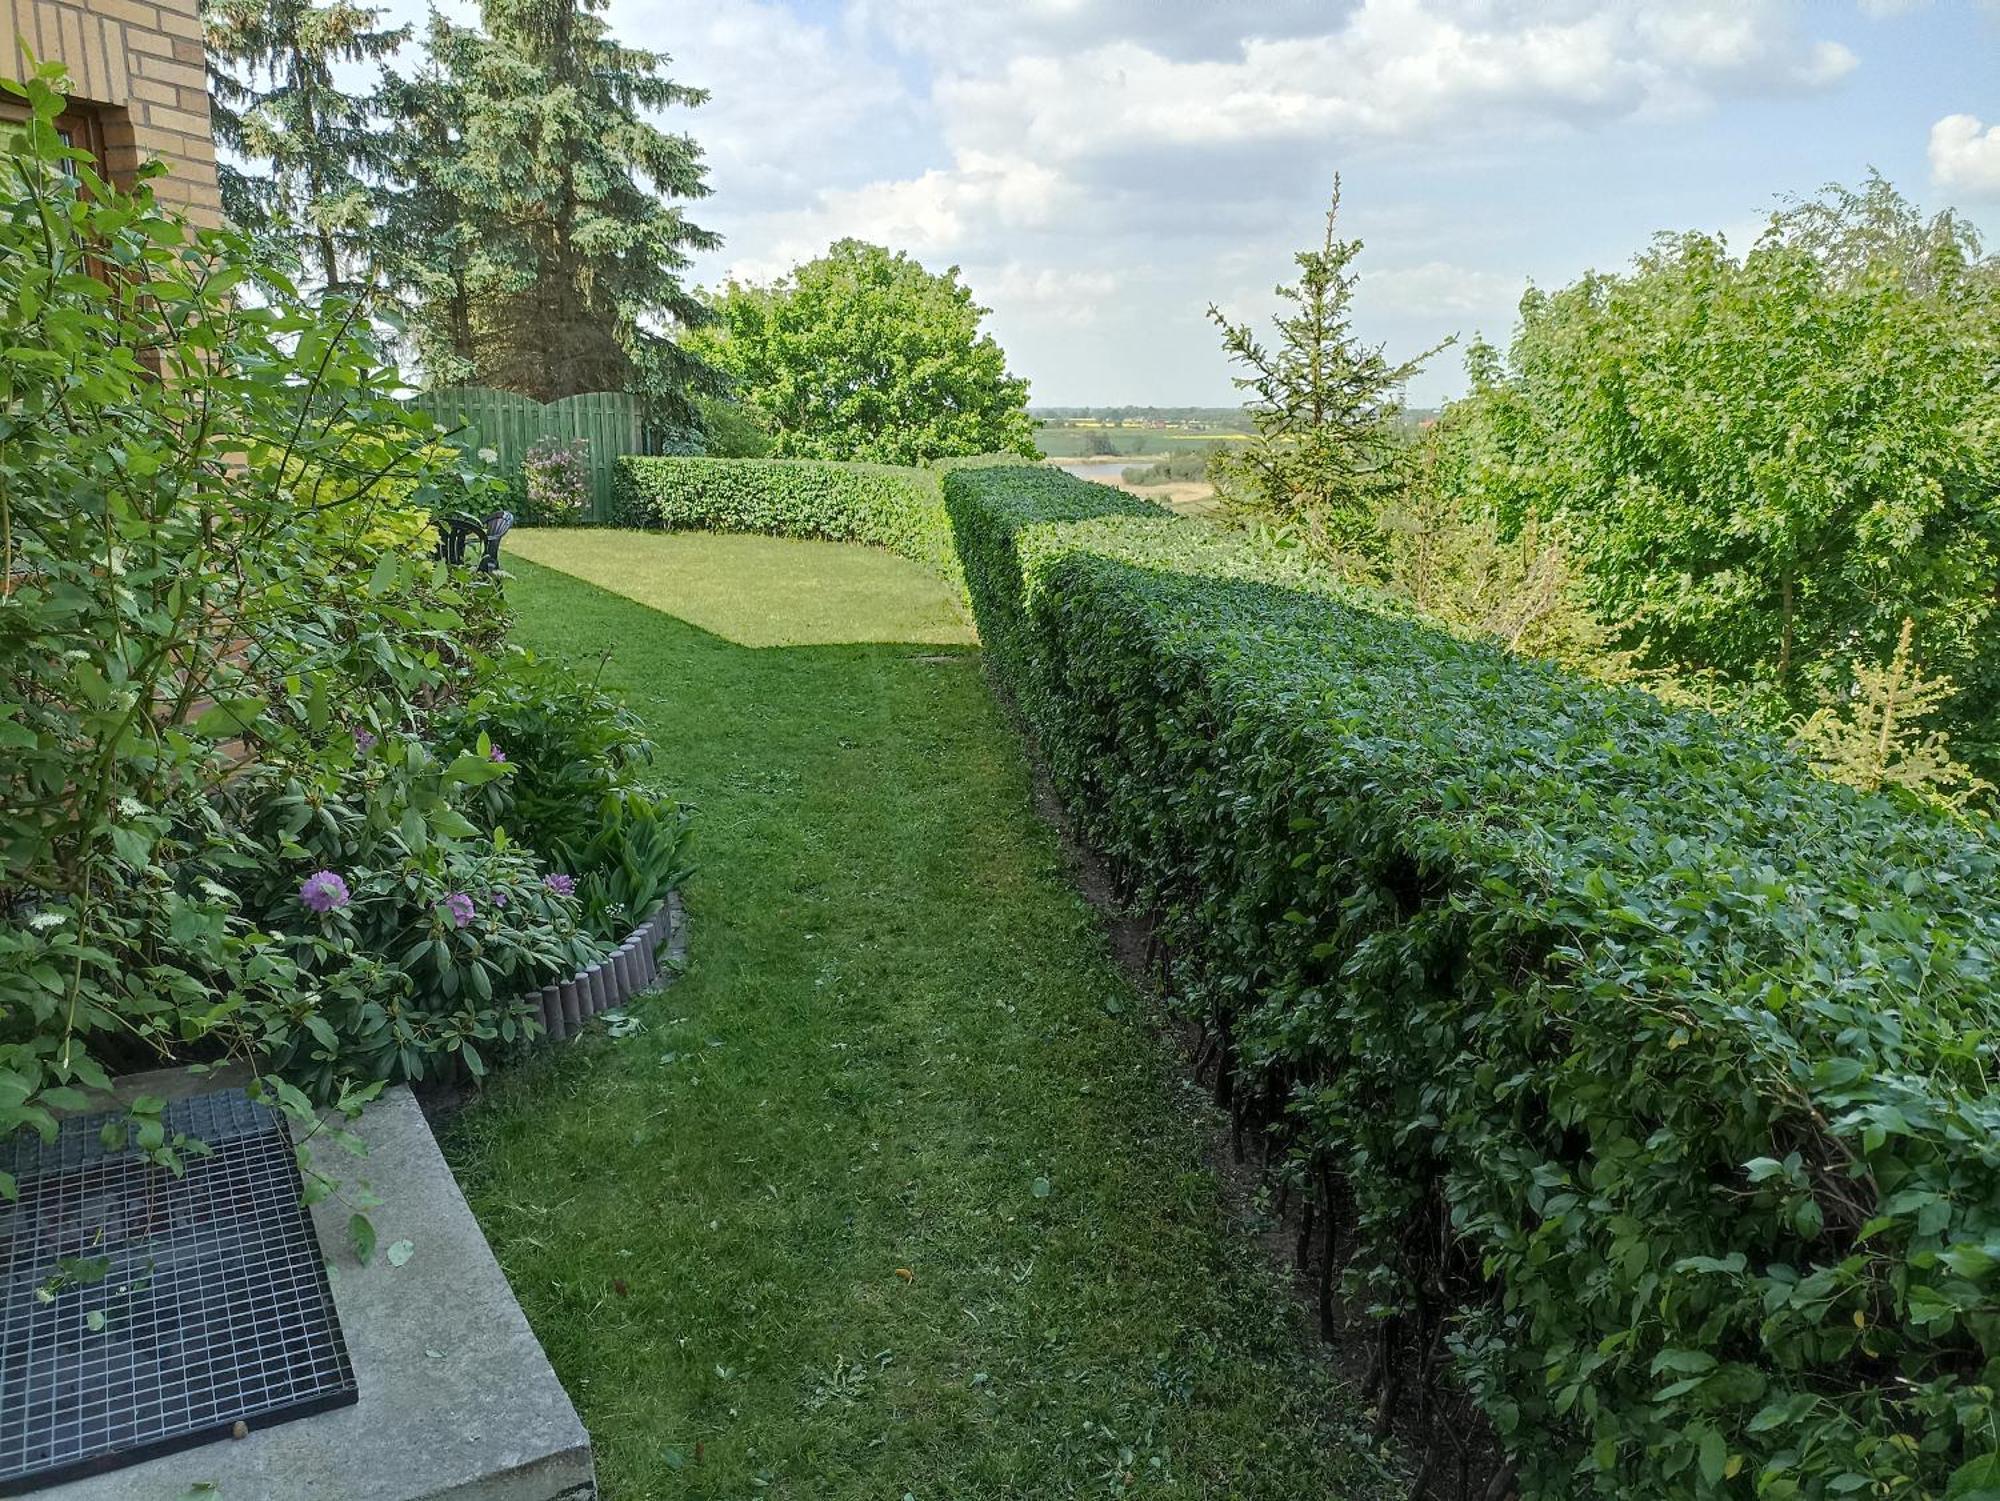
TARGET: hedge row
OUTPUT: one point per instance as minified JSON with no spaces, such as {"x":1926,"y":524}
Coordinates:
{"x":1649,"y":1077}
{"x":899,"y":509}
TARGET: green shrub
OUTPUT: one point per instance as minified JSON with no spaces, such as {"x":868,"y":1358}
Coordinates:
{"x":899,"y":509}
{"x":248,"y":807}
{"x":1652,"y":1074}
{"x":577,"y":789}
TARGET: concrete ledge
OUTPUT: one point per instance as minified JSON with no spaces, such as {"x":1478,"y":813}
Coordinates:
{"x":458,"y":1402}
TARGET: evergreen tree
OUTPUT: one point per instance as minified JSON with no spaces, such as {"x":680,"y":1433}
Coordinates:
{"x":428,"y":240}
{"x":573,"y":240}
{"x":1329,"y":452}
{"x":312,"y":149}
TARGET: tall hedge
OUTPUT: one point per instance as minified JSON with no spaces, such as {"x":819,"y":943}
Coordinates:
{"x":886,"y":506}
{"x":1652,"y":1076}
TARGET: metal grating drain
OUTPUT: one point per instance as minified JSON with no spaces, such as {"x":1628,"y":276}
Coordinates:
{"x":142,"y":1313}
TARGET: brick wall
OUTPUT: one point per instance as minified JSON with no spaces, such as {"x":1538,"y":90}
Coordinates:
{"x":137,"y":65}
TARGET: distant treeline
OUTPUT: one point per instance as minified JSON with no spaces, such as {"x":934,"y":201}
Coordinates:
{"x":1207,"y":416}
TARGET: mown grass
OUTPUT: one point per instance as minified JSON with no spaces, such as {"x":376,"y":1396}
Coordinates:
{"x":761,"y":591}
{"x":897,"y":1193}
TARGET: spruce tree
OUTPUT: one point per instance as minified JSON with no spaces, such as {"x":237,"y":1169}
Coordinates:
{"x":313,"y":150}
{"x":1329,"y":451}
{"x":427,"y":237}
{"x":574,"y":202}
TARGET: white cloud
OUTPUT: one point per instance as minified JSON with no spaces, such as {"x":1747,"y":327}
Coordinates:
{"x":940,"y":213}
{"x":1392,"y":69}
{"x":790,"y":99}
{"x":1440,"y":289}
{"x":1965,"y":155}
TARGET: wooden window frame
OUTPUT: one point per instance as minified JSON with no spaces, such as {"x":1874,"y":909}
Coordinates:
{"x":82,"y":127}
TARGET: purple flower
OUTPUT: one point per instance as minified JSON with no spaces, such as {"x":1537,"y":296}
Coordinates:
{"x":560,"y":884}
{"x":497,"y":755}
{"x":364,"y":742}
{"x":459,"y":907}
{"x":497,"y":898}
{"x":324,"y":891}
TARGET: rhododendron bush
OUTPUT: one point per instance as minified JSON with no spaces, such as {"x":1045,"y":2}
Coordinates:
{"x":249,"y":803}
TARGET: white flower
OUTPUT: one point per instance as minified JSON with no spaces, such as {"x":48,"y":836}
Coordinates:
{"x":41,"y":922}
{"x":489,"y":456}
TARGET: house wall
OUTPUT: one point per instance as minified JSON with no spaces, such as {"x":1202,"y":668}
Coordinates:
{"x":138,"y":66}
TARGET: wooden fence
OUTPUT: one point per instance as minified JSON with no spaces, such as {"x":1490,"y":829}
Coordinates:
{"x":510,"y":424}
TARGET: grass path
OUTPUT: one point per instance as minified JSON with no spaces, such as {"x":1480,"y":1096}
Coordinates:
{"x":896,"y":1194}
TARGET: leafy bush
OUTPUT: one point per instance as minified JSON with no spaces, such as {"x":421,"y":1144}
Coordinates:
{"x":244,"y":810}
{"x":577,"y":790}
{"x":862,"y":354}
{"x":555,"y":483}
{"x":886,"y":506}
{"x":1764,"y":462}
{"x":420,"y":949}
{"x":1651,"y":1074}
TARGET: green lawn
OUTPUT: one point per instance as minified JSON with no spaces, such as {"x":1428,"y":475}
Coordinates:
{"x":897,"y":1193}
{"x":760,"y":591}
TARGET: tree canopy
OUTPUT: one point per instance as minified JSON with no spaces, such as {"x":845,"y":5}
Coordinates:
{"x":1767,"y":462}
{"x":308,"y":149}
{"x":864,"y":354}
{"x":564,"y":226}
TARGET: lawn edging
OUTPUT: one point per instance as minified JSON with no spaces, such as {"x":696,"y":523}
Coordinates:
{"x":628,"y":970}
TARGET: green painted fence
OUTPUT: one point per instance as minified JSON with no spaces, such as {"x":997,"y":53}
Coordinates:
{"x":510,"y":424}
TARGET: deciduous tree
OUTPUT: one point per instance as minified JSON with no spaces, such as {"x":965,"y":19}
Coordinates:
{"x":864,"y":354}
{"x":1767,"y":462}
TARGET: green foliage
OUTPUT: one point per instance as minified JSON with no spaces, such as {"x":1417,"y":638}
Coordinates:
{"x":1650,"y":1070}
{"x":1193,"y":464}
{"x":578,"y":790}
{"x":864,"y":355}
{"x":1874,"y":736}
{"x":542,"y":234}
{"x":1766,"y":462}
{"x":315,"y":150}
{"x":731,"y":430}
{"x":1328,"y":450}
{"x":1461,"y":567}
{"x":243,"y":810}
{"x":883,"y":505}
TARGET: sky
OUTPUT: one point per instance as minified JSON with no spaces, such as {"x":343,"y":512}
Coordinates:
{"x":1102,"y":170}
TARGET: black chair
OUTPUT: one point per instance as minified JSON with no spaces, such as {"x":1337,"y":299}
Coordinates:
{"x":456,"y":534}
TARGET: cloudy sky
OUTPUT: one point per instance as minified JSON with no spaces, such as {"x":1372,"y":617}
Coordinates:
{"x":1103,"y":169}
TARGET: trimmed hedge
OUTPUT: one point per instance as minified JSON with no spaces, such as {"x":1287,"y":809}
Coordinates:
{"x":880,"y":504}
{"x":1649,"y":1076}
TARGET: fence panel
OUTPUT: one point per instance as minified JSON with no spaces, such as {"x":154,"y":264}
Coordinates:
{"x":609,"y":422}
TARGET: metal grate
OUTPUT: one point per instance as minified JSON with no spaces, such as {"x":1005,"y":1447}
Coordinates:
{"x":142,"y":1313}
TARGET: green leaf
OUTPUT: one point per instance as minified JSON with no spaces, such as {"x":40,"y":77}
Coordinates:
{"x":1976,"y":1480}
{"x":361,"y":1232}
{"x":1714,"y":1454}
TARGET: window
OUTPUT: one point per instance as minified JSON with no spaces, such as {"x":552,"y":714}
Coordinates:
{"x":82,"y":128}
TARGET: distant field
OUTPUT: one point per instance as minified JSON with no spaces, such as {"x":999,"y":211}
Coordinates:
{"x":1085,"y":439}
